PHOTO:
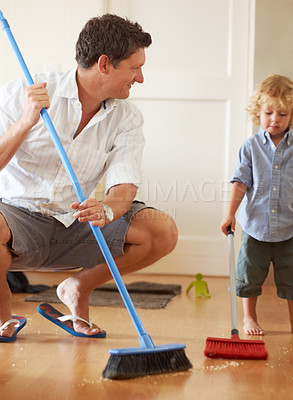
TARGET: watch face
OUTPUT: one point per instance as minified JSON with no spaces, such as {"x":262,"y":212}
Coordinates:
{"x":108,"y":212}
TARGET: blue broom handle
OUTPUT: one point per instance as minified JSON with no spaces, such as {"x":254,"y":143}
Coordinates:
{"x":146,"y":340}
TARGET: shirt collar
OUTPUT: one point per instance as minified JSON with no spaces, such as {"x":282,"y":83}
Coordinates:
{"x":68,"y":89}
{"x":68,"y":86}
{"x":266,"y":136}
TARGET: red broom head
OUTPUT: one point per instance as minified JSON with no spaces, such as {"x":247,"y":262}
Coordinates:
{"x":235,"y":348}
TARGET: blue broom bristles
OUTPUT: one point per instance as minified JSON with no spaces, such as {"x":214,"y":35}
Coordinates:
{"x":137,"y":362}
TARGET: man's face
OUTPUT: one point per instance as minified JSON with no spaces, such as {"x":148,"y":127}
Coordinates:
{"x":126,"y":74}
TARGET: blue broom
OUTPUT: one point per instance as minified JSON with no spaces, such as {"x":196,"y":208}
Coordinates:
{"x":123,"y":363}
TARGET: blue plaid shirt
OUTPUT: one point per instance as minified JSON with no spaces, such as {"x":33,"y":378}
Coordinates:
{"x":266,"y":211}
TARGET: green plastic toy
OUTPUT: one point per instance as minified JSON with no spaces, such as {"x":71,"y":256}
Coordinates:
{"x":201,"y":287}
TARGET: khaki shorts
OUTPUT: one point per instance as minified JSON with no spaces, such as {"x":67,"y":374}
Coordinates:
{"x":253,"y":266}
{"x":42,"y":243}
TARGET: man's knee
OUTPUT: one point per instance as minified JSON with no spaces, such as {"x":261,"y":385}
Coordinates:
{"x":153,"y":227}
{"x":168,"y":233}
{"x":5,"y":233}
{"x":164,"y":232}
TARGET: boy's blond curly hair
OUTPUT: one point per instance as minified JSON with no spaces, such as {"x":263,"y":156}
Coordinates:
{"x":276,"y":91}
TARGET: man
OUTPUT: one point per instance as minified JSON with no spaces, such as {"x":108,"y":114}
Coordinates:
{"x":42,"y":226}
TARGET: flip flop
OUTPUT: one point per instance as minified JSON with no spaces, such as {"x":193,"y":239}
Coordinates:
{"x":65,"y":321}
{"x":19,"y":324}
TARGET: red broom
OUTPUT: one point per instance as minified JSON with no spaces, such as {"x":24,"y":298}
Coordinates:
{"x":234,"y":348}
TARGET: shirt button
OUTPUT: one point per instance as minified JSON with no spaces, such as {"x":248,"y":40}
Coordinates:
{"x":273,"y":211}
{"x":275,"y":189}
{"x":276,"y":166}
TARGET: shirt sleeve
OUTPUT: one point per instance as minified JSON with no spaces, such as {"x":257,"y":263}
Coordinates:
{"x":11,"y":103}
{"x":5,"y":122}
{"x":125,"y":157}
{"x":243,"y":170}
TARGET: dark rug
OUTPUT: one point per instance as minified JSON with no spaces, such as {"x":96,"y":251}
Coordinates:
{"x":143,"y":294}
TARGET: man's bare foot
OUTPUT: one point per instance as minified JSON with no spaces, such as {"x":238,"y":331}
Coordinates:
{"x":251,"y":327}
{"x":70,"y":294}
{"x":5,"y":310}
{"x":8,"y":331}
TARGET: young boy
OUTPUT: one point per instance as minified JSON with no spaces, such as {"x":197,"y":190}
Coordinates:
{"x":264,"y":175}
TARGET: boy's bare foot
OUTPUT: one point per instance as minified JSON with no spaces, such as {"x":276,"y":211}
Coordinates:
{"x":69,"y":293}
{"x":251,"y":327}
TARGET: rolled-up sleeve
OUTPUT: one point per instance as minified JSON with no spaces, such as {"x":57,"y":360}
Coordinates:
{"x":243,"y":170}
{"x":125,"y":158}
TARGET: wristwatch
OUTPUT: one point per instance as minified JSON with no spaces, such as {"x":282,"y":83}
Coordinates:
{"x":109,"y":215}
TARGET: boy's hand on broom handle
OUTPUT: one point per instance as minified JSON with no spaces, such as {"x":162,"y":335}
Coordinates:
{"x":238,"y":191}
{"x":228,"y":224}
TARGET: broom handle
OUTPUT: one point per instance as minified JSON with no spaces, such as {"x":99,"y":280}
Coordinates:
{"x":232,"y":281}
{"x":144,"y":339}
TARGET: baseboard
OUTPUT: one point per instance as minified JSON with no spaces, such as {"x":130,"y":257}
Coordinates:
{"x":193,"y":255}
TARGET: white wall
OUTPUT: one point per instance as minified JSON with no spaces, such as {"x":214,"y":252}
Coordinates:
{"x":273,"y":39}
{"x":46,"y":33}
{"x":197,"y":78}
{"x":198,"y":74}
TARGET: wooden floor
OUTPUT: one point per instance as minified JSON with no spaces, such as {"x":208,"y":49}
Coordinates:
{"x":47,"y":363}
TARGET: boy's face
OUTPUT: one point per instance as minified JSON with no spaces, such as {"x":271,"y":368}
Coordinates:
{"x":274,"y":120}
